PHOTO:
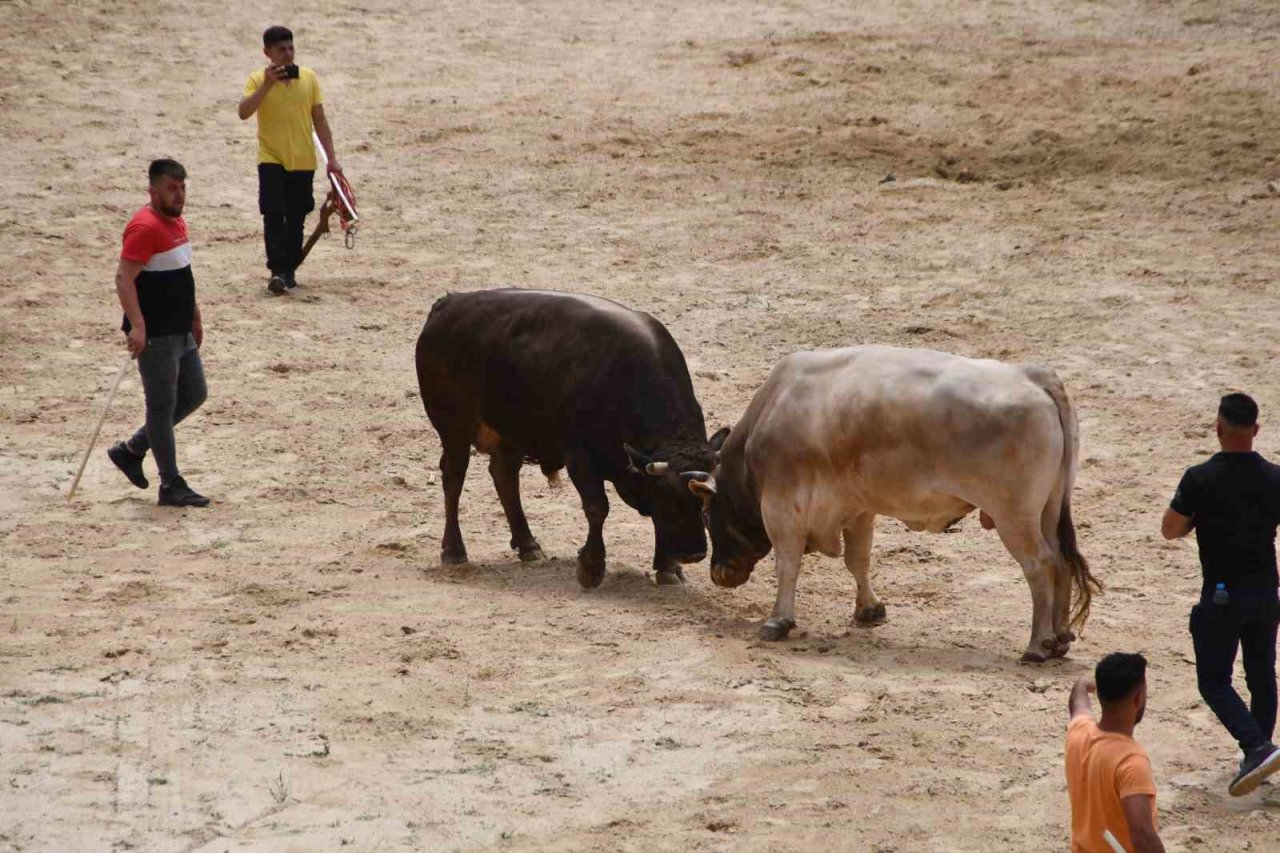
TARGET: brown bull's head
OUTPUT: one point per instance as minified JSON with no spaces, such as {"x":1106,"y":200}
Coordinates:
{"x":664,"y":497}
{"x":738,"y":537}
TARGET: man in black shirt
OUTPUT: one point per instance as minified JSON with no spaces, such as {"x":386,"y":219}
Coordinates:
{"x":1232,"y":501}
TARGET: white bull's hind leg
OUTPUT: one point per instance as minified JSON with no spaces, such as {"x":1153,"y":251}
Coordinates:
{"x":787,"y":555}
{"x":1021,"y":535}
{"x":1061,"y":578}
{"x":857,"y":559}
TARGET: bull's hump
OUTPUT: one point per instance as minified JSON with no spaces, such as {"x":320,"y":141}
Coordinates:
{"x":619,"y":313}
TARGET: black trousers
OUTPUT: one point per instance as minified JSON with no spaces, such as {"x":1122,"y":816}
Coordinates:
{"x":1248,"y":623}
{"x":284,"y":200}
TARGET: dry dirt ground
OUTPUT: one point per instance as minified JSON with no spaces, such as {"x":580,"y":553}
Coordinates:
{"x":1079,"y":183}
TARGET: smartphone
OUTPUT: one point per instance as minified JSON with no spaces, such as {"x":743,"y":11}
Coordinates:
{"x":291,"y":72}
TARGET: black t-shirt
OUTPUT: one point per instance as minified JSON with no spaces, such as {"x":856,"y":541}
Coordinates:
{"x":166,"y":287}
{"x":1234,"y":499}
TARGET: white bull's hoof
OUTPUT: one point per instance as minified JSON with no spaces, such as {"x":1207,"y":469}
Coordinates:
{"x":776,"y":629}
{"x":674,"y":577}
{"x":870,"y":615}
{"x":1042,"y":651}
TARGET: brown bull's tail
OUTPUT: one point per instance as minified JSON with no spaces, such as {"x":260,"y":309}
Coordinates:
{"x":1082,"y":579}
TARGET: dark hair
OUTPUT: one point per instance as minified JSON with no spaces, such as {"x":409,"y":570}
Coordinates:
{"x":275,"y":35}
{"x":1239,"y":410}
{"x":1118,"y":675}
{"x":166,"y":168}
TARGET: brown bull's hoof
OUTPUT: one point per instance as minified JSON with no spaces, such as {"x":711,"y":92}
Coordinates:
{"x":870,"y":615}
{"x":531,"y":553}
{"x":776,"y":629}
{"x":1067,"y":637}
{"x":453,"y":558}
{"x":590,"y":575}
{"x":669,"y":578}
{"x":1033,"y":657}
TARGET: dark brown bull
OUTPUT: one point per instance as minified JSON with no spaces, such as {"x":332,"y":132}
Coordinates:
{"x":566,"y":380}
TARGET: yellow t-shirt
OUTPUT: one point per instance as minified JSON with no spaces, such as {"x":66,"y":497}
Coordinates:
{"x":1102,"y":769}
{"x":284,"y":119}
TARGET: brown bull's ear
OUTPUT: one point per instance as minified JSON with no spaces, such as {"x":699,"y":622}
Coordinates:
{"x":717,"y":441}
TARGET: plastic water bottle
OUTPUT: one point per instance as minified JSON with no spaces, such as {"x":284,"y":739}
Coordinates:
{"x":1220,"y":595}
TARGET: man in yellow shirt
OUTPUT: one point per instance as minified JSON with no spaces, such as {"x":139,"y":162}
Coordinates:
{"x":1113,"y":794}
{"x":287,"y":100}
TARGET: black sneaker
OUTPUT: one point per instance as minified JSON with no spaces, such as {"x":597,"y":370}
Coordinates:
{"x":290,"y":281}
{"x":128,"y":462}
{"x":178,"y":493}
{"x":277,"y":284}
{"x":1259,"y":763}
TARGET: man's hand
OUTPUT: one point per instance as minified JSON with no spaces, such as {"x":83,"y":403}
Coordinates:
{"x":273,"y":75}
{"x":335,"y":166}
{"x":137,"y":340}
{"x":197,"y":330}
{"x":249,"y":103}
{"x":1078,"y":704}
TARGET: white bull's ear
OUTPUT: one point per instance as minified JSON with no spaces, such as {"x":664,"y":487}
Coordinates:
{"x":700,"y":483}
{"x":656,"y":469}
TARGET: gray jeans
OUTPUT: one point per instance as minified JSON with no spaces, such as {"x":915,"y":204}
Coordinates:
{"x":173,"y":382}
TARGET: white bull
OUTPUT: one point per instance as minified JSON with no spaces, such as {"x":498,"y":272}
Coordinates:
{"x":837,"y":437}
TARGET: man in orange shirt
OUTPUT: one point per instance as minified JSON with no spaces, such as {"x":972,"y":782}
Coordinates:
{"x":1113,"y":795}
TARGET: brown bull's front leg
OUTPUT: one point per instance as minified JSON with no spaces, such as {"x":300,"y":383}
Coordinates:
{"x":595,"y":505}
{"x":783,"y":618}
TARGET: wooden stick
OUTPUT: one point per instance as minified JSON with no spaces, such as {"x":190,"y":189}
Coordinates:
{"x":98,"y":427}
{"x":322,"y":227}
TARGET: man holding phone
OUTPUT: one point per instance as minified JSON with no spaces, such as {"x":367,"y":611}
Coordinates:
{"x":287,"y":100}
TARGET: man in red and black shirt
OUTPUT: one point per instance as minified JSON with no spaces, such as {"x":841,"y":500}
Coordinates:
{"x":164,"y":329}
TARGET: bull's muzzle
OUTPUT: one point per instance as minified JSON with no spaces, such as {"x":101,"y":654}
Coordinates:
{"x":730,"y":575}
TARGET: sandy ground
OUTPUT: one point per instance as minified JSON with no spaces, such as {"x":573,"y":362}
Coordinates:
{"x":1082,"y":184}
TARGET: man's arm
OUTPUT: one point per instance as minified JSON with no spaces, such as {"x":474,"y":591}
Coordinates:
{"x":249,"y":103}
{"x":1142,"y":829}
{"x":1079,"y":704}
{"x":197,"y":326}
{"x":1176,"y":525}
{"x":326,"y":136}
{"x":127,"y":290}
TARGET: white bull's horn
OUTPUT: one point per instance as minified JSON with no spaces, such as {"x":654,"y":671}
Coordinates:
{"x":700,"y":483}
{"x":656,"y":469}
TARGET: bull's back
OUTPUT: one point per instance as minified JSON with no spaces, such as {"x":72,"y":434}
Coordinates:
{"x":886,"y":415}
{"x":532,"y":363}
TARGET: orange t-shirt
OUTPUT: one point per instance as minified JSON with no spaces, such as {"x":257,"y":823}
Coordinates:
{"x":1102,"y":769}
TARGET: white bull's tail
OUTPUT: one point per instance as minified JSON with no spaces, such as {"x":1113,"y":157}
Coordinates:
{"x":1082,"y":579}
